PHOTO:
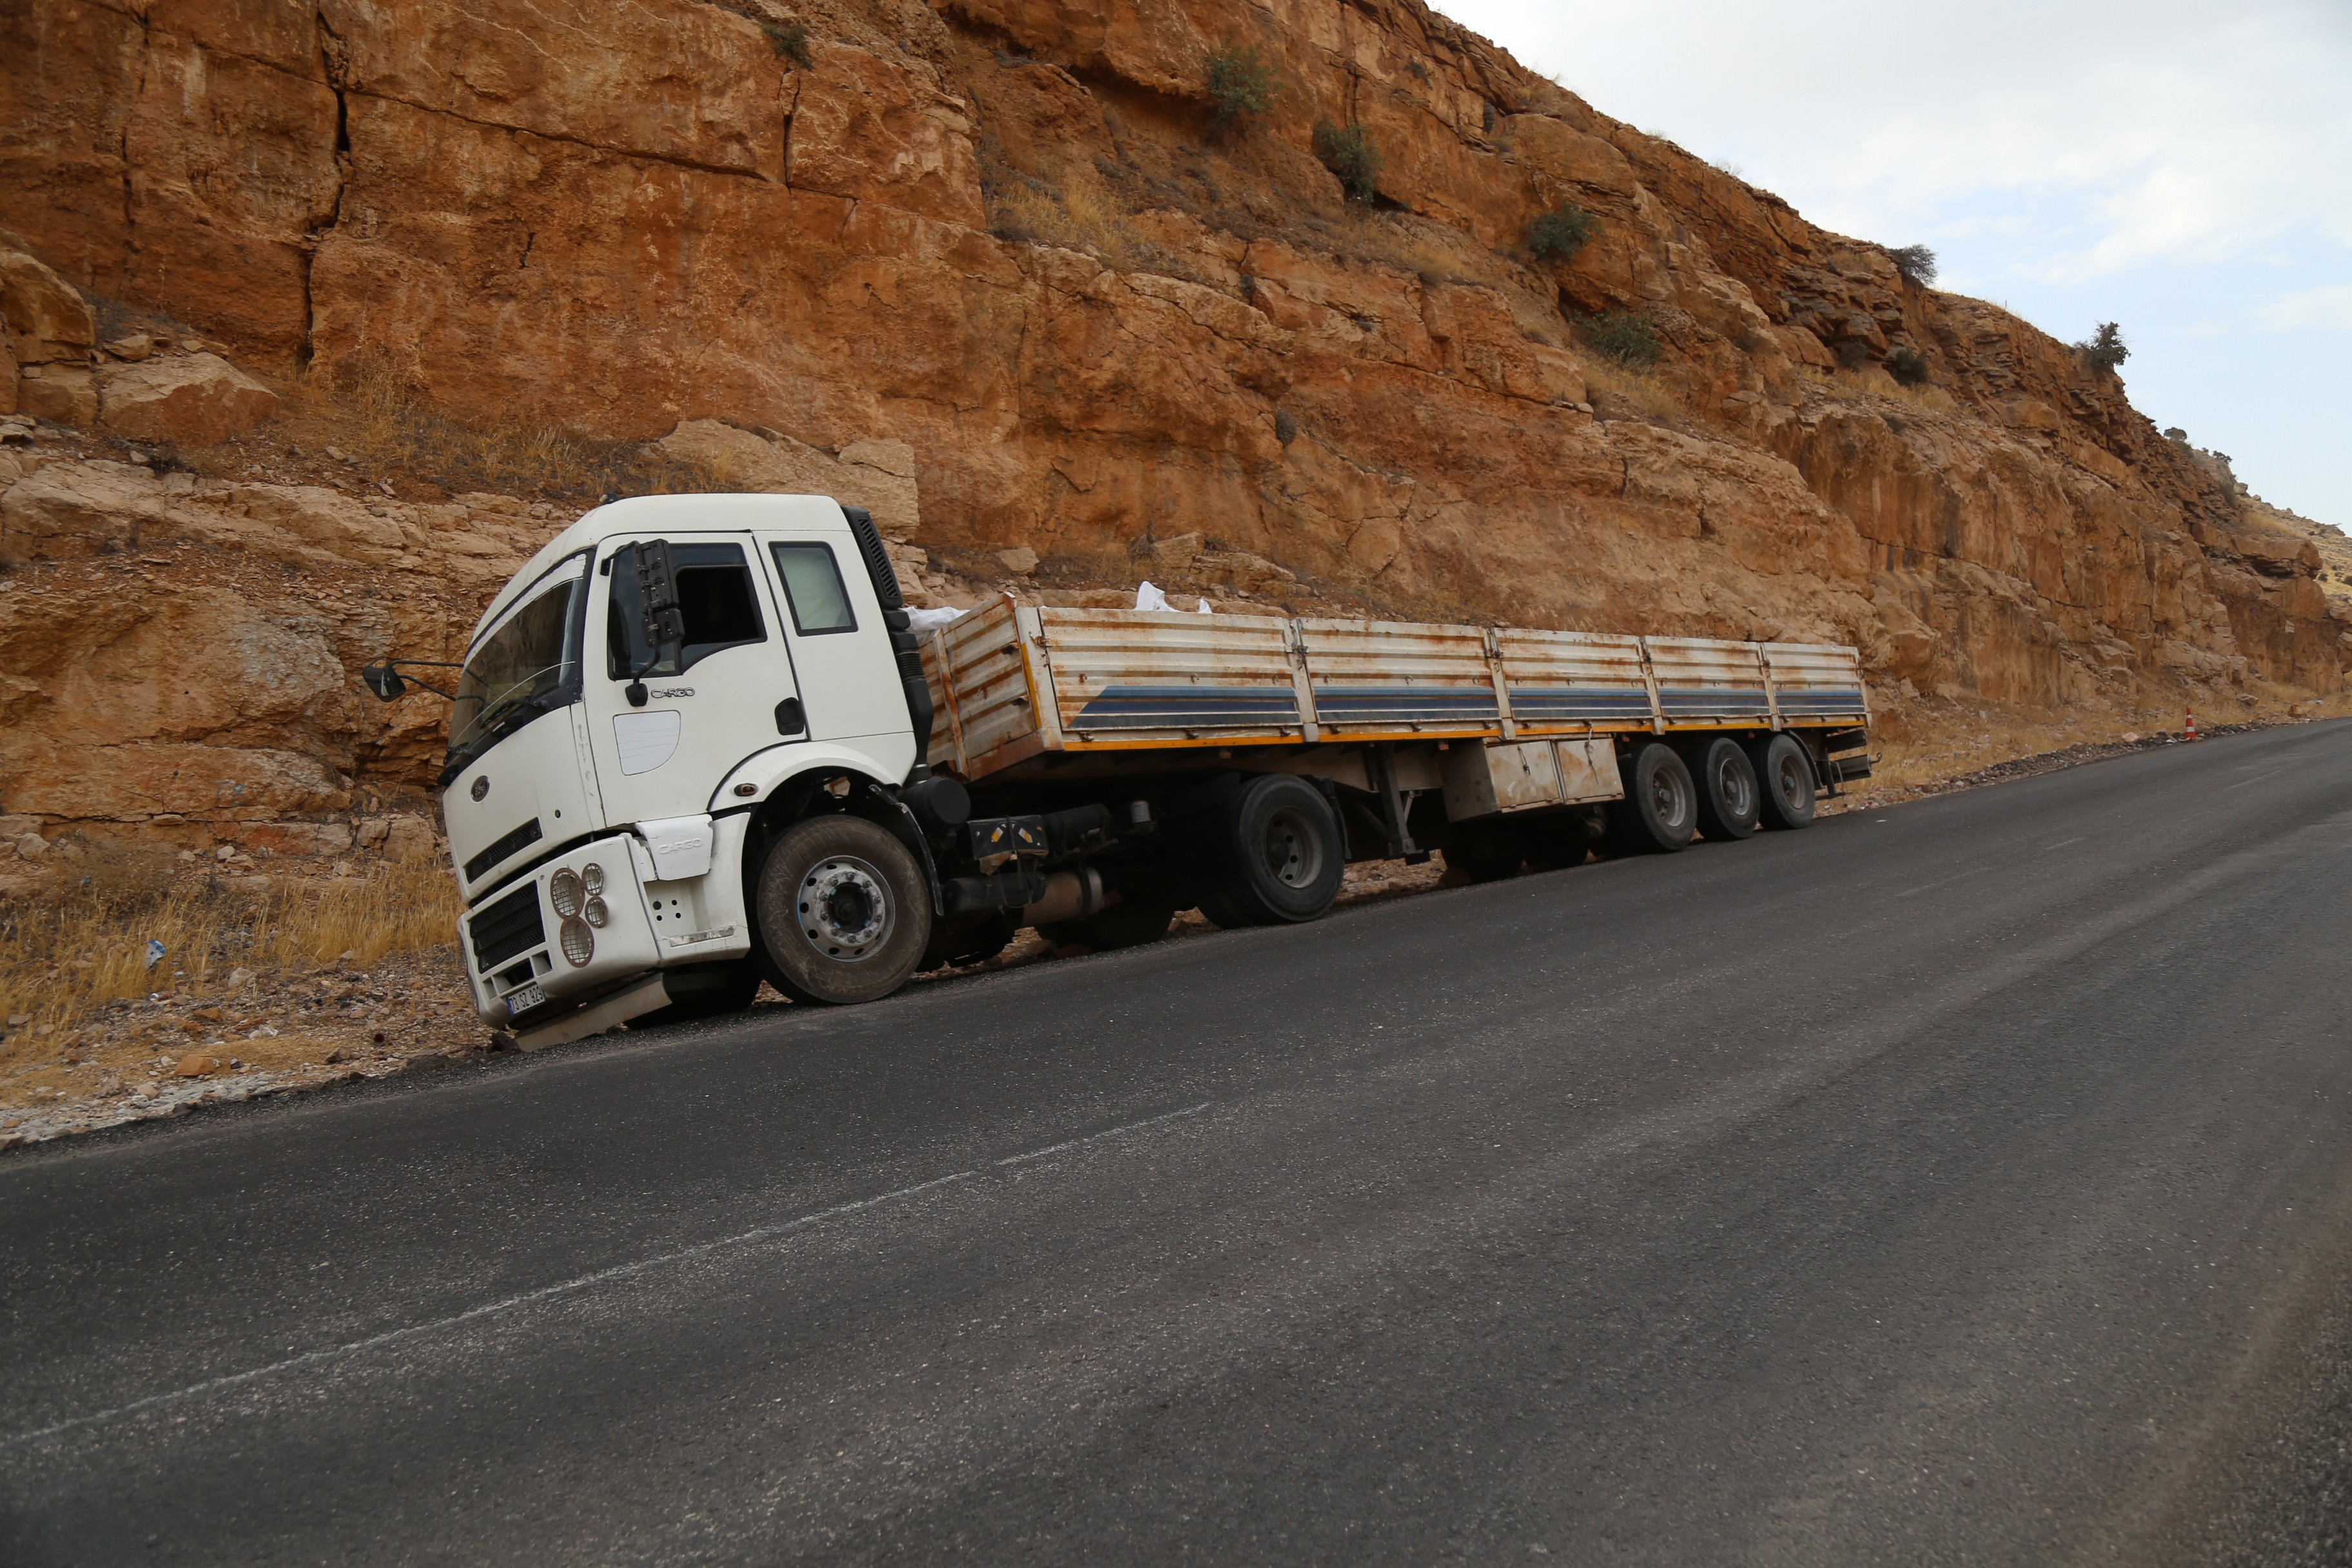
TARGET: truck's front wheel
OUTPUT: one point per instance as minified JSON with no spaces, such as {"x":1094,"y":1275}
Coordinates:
{"x":844,"y":914}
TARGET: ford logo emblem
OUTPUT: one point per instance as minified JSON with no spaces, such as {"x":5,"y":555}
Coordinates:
{"x":481,"y":787}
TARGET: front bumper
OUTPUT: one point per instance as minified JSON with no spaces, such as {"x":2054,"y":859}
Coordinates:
{"x":514,"y":946}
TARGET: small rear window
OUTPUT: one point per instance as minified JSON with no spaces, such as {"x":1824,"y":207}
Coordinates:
{"x":813,"y":586}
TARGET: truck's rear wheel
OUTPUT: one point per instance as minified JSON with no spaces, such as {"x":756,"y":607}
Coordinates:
{"x":1727,"y":790}
{"x":1660,"y":811}
{"x":1486,"y":850}
{"x":705,"y":991}
{"x":1128,"y":923}
{"x":844,"y":913}
{"x":1785,"y":775}
{"x":1284,"y":856}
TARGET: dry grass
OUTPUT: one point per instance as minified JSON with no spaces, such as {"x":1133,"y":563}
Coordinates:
{"x":368,"y":414}
{"x":1077,"y":217}
{"x":64,"y":956}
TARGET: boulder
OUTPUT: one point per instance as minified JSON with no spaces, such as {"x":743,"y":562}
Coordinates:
{"x":49,"y":322}
{"x":64,"y":394}
{"x":188,"y":400}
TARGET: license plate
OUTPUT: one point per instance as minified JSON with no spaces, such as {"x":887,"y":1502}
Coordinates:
{"x":523,"y":998}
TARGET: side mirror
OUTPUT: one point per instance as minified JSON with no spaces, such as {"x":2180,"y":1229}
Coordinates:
{"x":384,"y":681}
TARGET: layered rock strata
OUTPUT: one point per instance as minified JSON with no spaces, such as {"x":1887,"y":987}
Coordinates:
{"x":1000,"y":255}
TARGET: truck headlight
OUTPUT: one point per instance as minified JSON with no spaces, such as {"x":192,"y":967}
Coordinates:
{"x":579,"y":942}
{"x":596,"y":913}
{"x":592,"y":876}
{"x":563,"y":892}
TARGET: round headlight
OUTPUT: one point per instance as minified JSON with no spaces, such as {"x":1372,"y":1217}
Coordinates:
{"x":596,"y":914}
{"x":579,"y":942}
{"x":563,"y":892}
{"x":592,"y":876}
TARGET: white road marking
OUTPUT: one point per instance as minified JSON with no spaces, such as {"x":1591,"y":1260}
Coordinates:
{"x":2256,"y":779}
{"x":545,"y":1292}
{"x":1098,"y":1137}
{"x":2063,"y":842}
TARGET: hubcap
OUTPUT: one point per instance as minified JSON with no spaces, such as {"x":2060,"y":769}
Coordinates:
{"x":1792,"y":781}
{"x":1732,"y":789}
{"x":1666,"y":797}
{"x":845,"y":907}
{"x":1294,"y":850}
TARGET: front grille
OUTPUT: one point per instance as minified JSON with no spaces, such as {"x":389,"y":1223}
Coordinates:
{"x":507,"y":928}
{"x":482,"y":864}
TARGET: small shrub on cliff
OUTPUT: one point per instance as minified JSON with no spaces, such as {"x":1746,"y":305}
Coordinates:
{"x":2175,"y":434}
{"x":1628,"y":337}
{"x":791,"y":40}
{"x":1350,"y":153}
{"x":1915,"y":262}
{"x":1559,"y":235}
{"x":1285,"y":429}
{"x":2106,"y":350}
{"x":1910,"y":366}
{"x":1241,"y":85}
{"x":1853,"y":353}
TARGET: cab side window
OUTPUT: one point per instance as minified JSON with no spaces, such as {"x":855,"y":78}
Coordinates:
{"x":812,"y":587}
{"x":714,"y":590}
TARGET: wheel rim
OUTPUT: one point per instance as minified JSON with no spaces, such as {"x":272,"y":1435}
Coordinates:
{"x":1666,"y":799}
{"x":845,"y":912}
{"x":1792,"y":781}
{"x":1733,"y":789}
{"x":1294,"y":850}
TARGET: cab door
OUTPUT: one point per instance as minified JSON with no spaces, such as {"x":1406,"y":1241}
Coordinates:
{"x":848,"y":674}
{"x":715,"y":702}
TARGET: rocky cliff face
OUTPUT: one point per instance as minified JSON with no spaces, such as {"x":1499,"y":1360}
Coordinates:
{"x":1000,"y":254}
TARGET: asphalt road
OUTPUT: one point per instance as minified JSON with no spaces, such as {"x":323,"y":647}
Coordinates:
{"x":1964,"y":1182}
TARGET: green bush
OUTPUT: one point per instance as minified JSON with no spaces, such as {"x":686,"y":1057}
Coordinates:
{"x":1853,"y":353}
{"x":1241,"y":85}
{"x":790,"y":41}
{"x":1559,"y":235}
{"x":1915,"y":262}
{"x":1628,"y":337}
{"x":1350,"y":153}
{"x":2175,"y":432}
{"x":2106,"y":350}
{"x":1910,"y":366}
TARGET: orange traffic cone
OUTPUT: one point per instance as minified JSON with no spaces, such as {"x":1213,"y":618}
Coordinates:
{"x":2190,"y":734}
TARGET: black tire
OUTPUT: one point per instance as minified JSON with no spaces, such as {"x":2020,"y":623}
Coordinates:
{"x":1728,"y":791}
{"x":844,"y":913}
{"x":1283,"y":856}
{"x":1128,"y":923}
{"x":1787,"y":789}
{"x":1562,"y":841}
{"x":1485,"y":850}
{"x":1660,"y":811}
{"x":703,"y":991}
{"x":971,"y":939}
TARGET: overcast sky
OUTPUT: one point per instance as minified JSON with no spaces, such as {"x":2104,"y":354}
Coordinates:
{"x":2185,"y":170}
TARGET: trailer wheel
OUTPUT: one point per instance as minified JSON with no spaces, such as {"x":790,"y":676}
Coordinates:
{"x":1284,"y":853}
{"x":1485,"y":850}
{"x":1660,"y":811}
{"x":1787,"y":778}
{"x":1728,"y":791}
{"x":844,"y":913}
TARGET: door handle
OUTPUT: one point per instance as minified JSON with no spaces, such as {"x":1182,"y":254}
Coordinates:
{"x":788,"y":717}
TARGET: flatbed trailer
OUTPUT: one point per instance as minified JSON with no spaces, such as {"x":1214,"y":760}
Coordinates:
{"x":697,"y":744}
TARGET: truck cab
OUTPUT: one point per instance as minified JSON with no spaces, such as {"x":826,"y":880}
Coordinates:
{"x":602,"y":779}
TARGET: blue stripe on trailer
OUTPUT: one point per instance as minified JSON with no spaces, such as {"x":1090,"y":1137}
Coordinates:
{"x":1684,"y":701}
{"x":1536,"y":704}
{"x":1808,"y":703}
{"x":1404,"y":705}
{"x":1188,"y":708}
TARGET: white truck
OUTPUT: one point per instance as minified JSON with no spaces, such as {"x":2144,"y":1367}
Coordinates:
{"x":695,"y":744}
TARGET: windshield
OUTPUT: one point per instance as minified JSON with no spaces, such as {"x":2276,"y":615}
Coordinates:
{"x":532,"y":655}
